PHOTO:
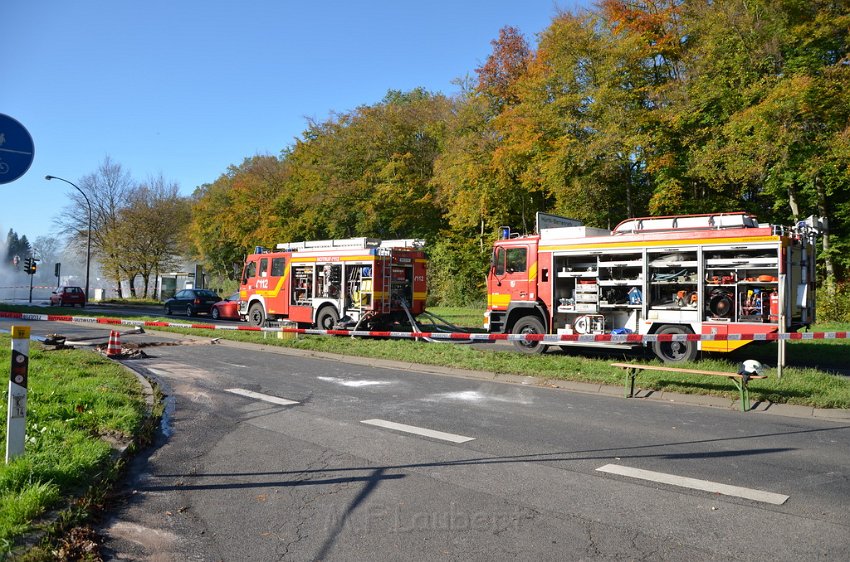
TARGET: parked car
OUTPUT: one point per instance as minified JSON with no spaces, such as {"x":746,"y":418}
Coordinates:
{"x":227,"y":308}
{"x":68,"y":296}
{"x":192,"y":302}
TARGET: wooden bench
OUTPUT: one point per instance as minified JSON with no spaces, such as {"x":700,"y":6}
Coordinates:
{"x":740,"y":381}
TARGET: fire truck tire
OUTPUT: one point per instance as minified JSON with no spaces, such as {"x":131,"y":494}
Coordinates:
{"x":529,"y":325}
{"x":675,"y":351}
{"x":256,"y":315}
{"x":327,"y":318}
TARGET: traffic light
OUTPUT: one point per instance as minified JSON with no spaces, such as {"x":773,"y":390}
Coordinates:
{"x":30,"y":266}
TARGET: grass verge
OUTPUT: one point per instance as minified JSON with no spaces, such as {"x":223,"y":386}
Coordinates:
{"x":76,"y":399}
{"x":810,"y":381}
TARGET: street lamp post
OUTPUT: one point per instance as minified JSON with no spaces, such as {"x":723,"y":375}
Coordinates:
{"x":88,"y":244}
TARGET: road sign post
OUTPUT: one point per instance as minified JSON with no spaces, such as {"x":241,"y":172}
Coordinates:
{"x":16,"y":413}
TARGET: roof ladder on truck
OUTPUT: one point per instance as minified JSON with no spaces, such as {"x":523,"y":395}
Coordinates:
{"x":386,"y":280}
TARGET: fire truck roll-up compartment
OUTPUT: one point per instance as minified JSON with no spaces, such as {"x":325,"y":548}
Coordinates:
{"x":720,"y":274}
{"x":352,"y":282}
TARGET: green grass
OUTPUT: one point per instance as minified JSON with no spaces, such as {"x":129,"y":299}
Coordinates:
{"x":809,"y":381}
{"x":75,"y":399}
{"x":799,"y":385}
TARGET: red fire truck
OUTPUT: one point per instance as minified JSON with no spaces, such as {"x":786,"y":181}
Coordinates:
{"x":353,"y":281}
{"x":700,"y":274}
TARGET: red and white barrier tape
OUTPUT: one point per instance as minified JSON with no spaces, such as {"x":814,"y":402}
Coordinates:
{"x":449,"y":336}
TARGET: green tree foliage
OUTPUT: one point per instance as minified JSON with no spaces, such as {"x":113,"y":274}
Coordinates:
{"x":364,"y":173}
{"x":152,"y":232}
{"x":773,"y":78}
{"x":16,"y":246}
{"x":632,"y":108}
{"x":237,"y":212}
{"x":368,"y":172}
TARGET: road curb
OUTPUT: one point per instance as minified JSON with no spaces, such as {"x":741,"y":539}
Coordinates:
{"x":704,"y":400}
{"x":787,"y":410}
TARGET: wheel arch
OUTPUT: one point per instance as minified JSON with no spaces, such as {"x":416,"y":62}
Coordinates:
{"x":322,"y":307}
{"x":688,"y":351}
{"x":522,"y":309}
{"x":256,"y":299}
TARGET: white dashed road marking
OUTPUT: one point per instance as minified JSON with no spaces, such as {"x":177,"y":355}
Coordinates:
{"x":258,"y":396}
{"x":419,"y":431}
{"x":693,"y":483}
{"x":355,"y":383}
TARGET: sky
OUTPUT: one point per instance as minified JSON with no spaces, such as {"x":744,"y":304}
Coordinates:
{"x":187,"y":88}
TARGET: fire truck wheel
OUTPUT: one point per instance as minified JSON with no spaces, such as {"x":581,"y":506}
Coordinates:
{"x":529,"y":325}
{"x":674,"y":351}
{"x":256,"y":315}
{"x":327,"y":318}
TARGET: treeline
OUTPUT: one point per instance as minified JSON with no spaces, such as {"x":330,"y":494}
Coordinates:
{"x":138,"y":228}
{"x":631,"y":109}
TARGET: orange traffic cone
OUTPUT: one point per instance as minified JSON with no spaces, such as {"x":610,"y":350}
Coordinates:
{"x":114,"y":346}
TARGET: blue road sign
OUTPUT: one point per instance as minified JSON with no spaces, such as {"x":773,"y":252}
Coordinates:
{"x":16,"y":149}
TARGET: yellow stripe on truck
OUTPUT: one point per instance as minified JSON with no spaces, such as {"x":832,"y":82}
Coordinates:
{"x":723,"y":346}
{"x":271,"y":293}
{"x":677,"y":242}
{"x":497,"y":300}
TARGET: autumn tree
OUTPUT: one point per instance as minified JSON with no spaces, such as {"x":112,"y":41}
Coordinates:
{"x":237,"y":212}
{"x":108,"y":190}
{"x":772,"y":76}
{"x":152,"y":232}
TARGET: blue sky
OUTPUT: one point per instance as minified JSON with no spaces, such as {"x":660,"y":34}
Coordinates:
{"x":186,"y":88}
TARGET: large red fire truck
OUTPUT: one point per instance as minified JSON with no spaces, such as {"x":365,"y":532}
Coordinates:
{"x":355,"y":281}
{"x":701,"y":274}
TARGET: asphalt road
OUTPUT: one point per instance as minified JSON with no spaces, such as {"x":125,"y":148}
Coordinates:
{"x":238,"y":477}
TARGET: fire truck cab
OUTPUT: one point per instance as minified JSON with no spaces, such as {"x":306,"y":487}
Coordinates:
{"x":324,"y":283}
{"x":690,"y":274}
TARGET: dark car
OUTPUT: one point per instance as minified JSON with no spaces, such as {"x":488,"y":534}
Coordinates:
{"x":227,"y":308}
{"x":68,"y":296}
{"x":192,"y":302}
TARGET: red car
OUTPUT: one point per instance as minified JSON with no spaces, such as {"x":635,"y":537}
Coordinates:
{"x":227,"y":308}
{"x":68,"y":296}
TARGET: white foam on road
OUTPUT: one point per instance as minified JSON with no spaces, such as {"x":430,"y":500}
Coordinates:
{"x":263,"y":397}
{"x":478,"y":397}
{"x":695,"y":484}
{"x":352,"y":382}
{"x":451,"y":437}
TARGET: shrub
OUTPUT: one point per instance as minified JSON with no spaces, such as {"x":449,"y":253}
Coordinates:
{"x":833,"y":302}
{"x":457,"y":272}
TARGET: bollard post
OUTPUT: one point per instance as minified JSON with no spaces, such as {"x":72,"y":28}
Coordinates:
{"x":16,"y":413}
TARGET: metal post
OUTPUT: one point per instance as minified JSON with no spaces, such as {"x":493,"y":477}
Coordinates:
{"x":783,"y":305}
{"x":31,"y":276}
{"x":88,"y":243}
{"x":16,"y":414}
